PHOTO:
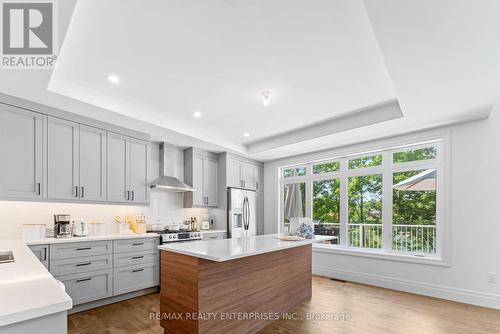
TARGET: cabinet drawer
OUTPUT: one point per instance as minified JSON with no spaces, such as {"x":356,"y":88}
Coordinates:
{"x":214,"y":236}
{"x":133,"y":258}
{"x":132,"y":245}
{"x":42,"y":253}
{"x":80,"y":264}
{"x":79,"y":249}
{"x":87,"y":287}
{"x":132,"y":278}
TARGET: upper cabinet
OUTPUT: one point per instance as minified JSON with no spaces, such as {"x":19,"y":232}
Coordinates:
{"x":127,"y":166}
{"x":201,"y":172}
{"x":139,"y":187}
{"x":21,"y":163}
{"x":57,"y":157}
{"x":63,"y":161}
{"x":76,"y":161}
{"x":242,"y":174}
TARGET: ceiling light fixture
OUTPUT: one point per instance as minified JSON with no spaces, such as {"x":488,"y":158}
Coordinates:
{"x":197,"y":114}
{"x":246,"y":134}
{"x":114,"y":79}
{"x":266,"y":101}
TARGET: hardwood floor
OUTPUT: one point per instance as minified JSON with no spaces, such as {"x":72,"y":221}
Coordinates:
{"x":368,"y":309}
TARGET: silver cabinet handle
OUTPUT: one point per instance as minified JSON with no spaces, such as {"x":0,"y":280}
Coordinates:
{"x":83,"y":192}
{"x":45,"y":253}
{"x":138,"y":244}
{"x":137,"y":257}
{"x":132,"y":195}
{"x":84,"y":248}
{"x":137,"y":270}
{"x":76,"y":191}
{"x":128,"y":195}
{"x":39,"y":190}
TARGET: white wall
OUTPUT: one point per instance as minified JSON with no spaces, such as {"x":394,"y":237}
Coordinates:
{"x":164,"y":206}
{"x":473,"y":225}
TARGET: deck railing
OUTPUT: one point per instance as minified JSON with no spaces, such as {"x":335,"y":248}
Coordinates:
{"x":409,"y":238}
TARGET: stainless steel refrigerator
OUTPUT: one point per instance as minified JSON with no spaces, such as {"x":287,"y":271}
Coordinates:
{"x":241,"y":211}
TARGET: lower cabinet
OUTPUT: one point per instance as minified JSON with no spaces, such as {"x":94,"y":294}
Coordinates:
{"x":87,"y":287}
{"x":42,"y":253}
{"x":136,"y":277}
{"x":95,"y":270}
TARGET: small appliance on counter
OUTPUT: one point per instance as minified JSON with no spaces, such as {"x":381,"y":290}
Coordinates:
{"x":62,"y":226}
{"x":80,"y":228}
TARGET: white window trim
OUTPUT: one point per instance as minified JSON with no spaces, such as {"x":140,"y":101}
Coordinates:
{"x":442,"y":163}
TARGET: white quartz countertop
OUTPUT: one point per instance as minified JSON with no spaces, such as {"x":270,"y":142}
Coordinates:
{"x":27,"y":289}
{"x":45,"y":241}
{"x":229,"y":249}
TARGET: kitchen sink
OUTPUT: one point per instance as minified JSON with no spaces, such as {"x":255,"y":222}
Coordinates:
{"x":6,"y":257}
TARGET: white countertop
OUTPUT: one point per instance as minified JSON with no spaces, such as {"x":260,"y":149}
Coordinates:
{"x":27,"y":289}
{"x":45,"y":241}
{"x":229,"y":249}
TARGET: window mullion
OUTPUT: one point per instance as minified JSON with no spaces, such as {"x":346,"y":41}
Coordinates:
{"x":343,"y":205}
{"x":387,"y":202}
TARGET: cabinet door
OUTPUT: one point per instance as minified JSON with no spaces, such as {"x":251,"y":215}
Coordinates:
{"x":233,"y":173}
{"x":117,"y":168}
{"x":62,"y":159}
{"x":198,"y":171}
{"x":139,"y":187}
{"x":20,"y":153}
{"x":260,"y":213}
{"x":248,"y":175}
{"x":92,"y":164}
{"x":259,"y":179}
{"x":42,"y":253}
{"x":210,"y":181}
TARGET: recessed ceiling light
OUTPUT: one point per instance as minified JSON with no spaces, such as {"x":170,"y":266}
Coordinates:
{"x":197,"y":113}
{"x":266,"y":101}
{"x":246,"y":134}
{"x":114,"y":79}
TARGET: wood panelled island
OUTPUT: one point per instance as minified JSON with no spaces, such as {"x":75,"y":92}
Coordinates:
{"x":233,"y":285}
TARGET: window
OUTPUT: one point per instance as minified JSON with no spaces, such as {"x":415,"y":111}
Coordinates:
{"x":326,"y":208}
{"x":385,"y":202}
{"x":291,"y":172}
{"x":294,"y":201}
{"x":414,"y":211}
{"x":365,"y":211}
{"x":364,"y":162}
{"x":326,"y":168}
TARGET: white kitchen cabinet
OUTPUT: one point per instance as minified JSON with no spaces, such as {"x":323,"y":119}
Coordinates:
{"x":21,"y":153}
{"x":233,"y":172}
{"x":117,"y":161}
{"x":259,"y":178}
{"x":210,"y":181}
{"x":63,"y":159}
{"x":241,"y":174}
{"x":139,"y":186}
{"x":92,"y":164}
{"x":127,"y":169}
{"x":201,"y":172}
{"x":42,"y":254}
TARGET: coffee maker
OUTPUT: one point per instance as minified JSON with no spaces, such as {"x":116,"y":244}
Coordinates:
{"x":62,"y":226}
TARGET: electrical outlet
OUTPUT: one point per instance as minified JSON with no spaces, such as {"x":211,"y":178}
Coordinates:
{"x":492,"y":278}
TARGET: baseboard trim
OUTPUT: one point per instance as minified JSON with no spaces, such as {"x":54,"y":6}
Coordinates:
{"x":111,"y":300}
{"x":432,"y":290}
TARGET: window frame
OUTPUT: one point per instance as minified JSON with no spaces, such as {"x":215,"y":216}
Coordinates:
{"x":386,"y":169}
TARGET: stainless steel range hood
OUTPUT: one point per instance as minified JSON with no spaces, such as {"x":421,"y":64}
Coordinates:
{"x":165,"y":182}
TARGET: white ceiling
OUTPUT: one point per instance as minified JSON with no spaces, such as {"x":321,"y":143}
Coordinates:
{"x":329,"y":65}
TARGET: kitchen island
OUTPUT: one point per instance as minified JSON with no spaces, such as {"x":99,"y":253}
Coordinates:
{"x":233,"y":285}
